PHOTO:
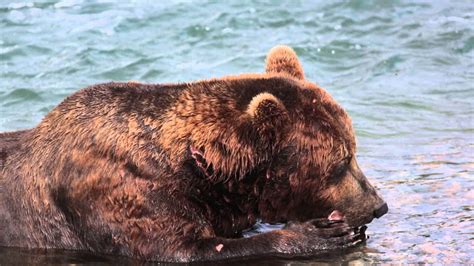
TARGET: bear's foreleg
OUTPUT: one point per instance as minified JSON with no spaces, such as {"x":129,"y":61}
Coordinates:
{"x":313,"y":238}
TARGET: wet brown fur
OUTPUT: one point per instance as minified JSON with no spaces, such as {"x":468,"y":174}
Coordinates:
{"x":110,"y":168}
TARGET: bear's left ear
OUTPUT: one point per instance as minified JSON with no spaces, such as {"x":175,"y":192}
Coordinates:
{"x":282,"y":59}
{"x":269,"y":116}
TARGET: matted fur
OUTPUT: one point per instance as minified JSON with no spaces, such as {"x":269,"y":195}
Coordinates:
{"x":113,"y":169}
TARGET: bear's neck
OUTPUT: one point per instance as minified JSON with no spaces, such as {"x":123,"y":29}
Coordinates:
{"x":231,"y":206}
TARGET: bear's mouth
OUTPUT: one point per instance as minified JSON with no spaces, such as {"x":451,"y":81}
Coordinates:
{"x":338,"y":216}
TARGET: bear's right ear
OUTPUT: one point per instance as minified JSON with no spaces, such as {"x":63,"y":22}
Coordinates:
{"x":283,"y":59}
{"x":268,"y":115}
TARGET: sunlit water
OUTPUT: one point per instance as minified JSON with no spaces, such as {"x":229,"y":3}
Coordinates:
{"x":404,"y":71}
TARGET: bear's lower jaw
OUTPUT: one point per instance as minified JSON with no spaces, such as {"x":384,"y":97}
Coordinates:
{"x":360,"y":222}
{"x":338,"y":216}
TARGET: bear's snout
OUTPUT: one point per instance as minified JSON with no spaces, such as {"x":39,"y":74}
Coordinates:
{"x":381,"y":210}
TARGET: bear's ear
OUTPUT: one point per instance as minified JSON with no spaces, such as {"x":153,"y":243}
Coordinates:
{"x":282,"y":59}
{"x":264,"y":106}
{"x":268,"y":115}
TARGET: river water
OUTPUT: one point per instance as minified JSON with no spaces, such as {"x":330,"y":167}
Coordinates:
{"x":403,"y":70}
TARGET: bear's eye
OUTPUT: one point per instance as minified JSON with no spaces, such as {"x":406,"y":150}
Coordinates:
{"x":340,"y":169}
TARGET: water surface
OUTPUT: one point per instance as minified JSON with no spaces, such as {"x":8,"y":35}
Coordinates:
{"x":403,"y":70}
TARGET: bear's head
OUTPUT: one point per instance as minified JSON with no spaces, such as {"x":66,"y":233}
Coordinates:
{"x":284,"y":140}
{"x":317,"y":155}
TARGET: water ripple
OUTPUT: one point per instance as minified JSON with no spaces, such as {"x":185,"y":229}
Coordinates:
{"x":404,"y":70}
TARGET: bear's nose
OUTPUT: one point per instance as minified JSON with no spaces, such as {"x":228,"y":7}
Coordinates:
{"x":380,"y":211}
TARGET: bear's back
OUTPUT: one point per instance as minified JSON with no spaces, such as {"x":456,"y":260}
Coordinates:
{"x":10,"y":142}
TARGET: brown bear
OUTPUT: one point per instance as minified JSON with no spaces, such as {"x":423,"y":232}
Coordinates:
{"x":176,"y":172}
